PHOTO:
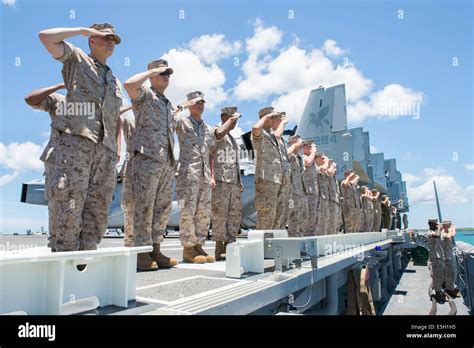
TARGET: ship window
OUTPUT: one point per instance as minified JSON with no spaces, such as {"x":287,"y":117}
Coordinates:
{"x":320,"y":102}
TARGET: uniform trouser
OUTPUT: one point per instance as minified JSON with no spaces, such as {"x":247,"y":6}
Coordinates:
{"x":82,"y":188}
{"x":266,"y":202}
{"x":338,"y":218}
{"x":312,"y":214}
{"x":351,"y":220}
{"x":298,"y":216}
{"x":323,"y":222}
{"x":127,"y":203}
{"x":449,"y":262}
{"x":377,"y":221}
{"x":283,"y":206}
{"x":152,"y":198}
{"x":436,"y":257}
{"x":48,"y":176}
{"x":226,"y":211}
{"x":194,"y":200}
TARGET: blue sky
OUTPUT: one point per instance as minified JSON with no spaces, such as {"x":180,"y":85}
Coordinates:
{"x":365,"y":44}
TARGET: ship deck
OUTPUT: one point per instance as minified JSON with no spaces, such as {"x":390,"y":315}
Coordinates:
{"x":411,"y":295}
{"x":180,"y":286}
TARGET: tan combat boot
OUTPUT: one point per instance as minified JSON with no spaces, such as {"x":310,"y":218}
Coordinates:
{"x":191,"y":255}
{"x":220,"y":251}
{"x":200,"y":250}
{"x":145,"y":263}
{"x":162,"y":260}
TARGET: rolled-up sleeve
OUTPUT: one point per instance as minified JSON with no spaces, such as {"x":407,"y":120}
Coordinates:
{"x":69,"y":52}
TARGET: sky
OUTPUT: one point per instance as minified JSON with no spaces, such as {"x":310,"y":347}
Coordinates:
{"x":258,"y":53}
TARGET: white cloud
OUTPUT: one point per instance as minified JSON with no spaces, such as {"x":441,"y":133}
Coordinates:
{"x":332,"y":50}
{"x":293,"y":72}
{"x":20,"y":157}
{"x":212,"y":48}
{"x":263,"y":39}
{"x":420,"y":187}
{"x":191,"y":74}
{"x":9,"y":2}
{"x":469,"y":166}
{"x":7,"y":178}
{"x":392,"y":102}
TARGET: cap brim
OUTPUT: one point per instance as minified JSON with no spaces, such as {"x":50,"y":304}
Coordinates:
{"x":195,"y":100}
{"x":117,"y":39}
{"x":163,"y":69}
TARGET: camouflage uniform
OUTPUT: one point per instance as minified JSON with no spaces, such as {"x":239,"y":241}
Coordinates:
{"x":312,"y":195}
{"x":268,"y":178}
{"x":367,"y":218}
{"x":227,"y":196}
{"x":377,"y":215}
{"x":351,"y":208}
{"x":334,"y":206}
{"x":153,"y":166}
{"x":193,"y":182}
{"x":48,"y":156}
{"x":298,"y":215}
{"x":324,"y":217}
{"x":128,"y":127}
{"x":284,"y":194}
{"x":449,"y":260}
{"x":86,"y":155}
{"x":359,"y":212}
{"x":436,"y":257}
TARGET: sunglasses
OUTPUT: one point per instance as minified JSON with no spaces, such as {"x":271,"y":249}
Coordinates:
{"x":165,"y":74}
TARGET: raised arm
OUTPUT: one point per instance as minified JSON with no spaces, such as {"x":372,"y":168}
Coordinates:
{"x":53,"y":39}
{"x":257,"y":127}
{"x":309,"y":160}
{"x":133,"y":84}
{"x":295,"y":147}
{"x":278,"y":133}
{"x":226,"y":127}
{"x":35,"y":97}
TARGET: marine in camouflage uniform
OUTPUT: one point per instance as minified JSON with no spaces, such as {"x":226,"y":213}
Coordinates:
{"x":298,"y":215}
{"x":126,"y":173}
{"x":436,"y":258}
{"x":46,"y":100}
{"x":450,"y":268}
{"x":325,"y":217}
{"x":334,"y":202}
{"x":310,"y":185}
{"x":377,"y":211}
{"x":193,"y":189}
{"x":227,"y":193}
{"x":87,"y":149}
{"x":284,"y":194}
{"x":367,"y":218}
{"x":268,"y":170}
{"x":351,"y":202}
{"x":152,"y":161}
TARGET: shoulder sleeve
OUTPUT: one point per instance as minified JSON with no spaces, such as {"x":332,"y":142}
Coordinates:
{"x":70,"y":53}
{"x":144,"y":94}
{"x":257,"y":141}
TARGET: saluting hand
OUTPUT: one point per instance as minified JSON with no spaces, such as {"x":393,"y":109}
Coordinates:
{"x":93,"y":32}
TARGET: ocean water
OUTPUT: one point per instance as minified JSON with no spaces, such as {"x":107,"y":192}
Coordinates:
{"x":465,"y":236}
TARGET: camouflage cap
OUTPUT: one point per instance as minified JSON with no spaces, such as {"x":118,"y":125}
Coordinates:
{"x":447,"y":222}
{"x":194,"y":97}
{"x":229,"y":110}
{"x":267,"y":111}
{"x":107,"y":28}
{"x":293,"y":138}
{"x":308,"y":142}
{"x":319,"y":154}
{"x":161,"y":64}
